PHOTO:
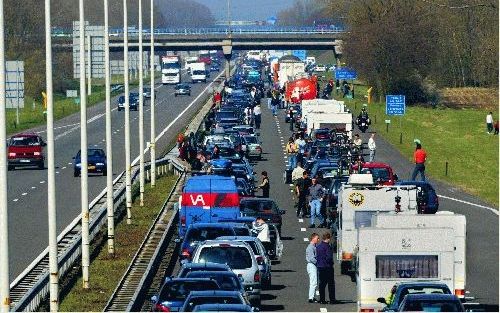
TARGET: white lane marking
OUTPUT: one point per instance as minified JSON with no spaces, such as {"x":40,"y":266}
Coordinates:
{"x":291,"y":191}
{"x":284,"y":157}
{"x":42,"y":182}
{"x":306,"y":239}
{"x":69,"y":163}
{"x":24,"y":193}
{"x":323,"y":310}
{"x":301,"y":220}
{"x":470,"y":203}
{"x":57,"y":172}
{"x":15,"y":200}
{"x":302,"y":229}
{"x":60,"y":127}
{"x":63,"y":168}
{"x":33,"y":187}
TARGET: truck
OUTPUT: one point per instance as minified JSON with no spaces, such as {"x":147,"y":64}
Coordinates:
{"x":208,"y":199}
{"x":170,"y":69}
{"x":330,"y":114}
{"x":358,"y":201}
{"x":387,"y":256}
{"x":198,"y":72}
{"x":289,"y":67}
{"x":188,"y":61}
{"x":424,"y":221}
{"x":204,"y":56}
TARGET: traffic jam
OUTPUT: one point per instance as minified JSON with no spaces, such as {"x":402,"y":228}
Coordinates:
{"x":386,"y":235}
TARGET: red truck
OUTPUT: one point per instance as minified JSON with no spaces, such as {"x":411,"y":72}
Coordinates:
{"x":26,"y":150}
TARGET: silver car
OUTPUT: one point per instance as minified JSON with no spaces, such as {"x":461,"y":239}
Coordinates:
{"x":252,"y":147}
{"x":239,"y":257}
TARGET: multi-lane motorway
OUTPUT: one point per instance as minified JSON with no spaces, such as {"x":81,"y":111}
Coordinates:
{"x":27,"y":188}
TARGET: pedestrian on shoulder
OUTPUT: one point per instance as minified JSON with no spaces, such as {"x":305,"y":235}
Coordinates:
{"x":324,"y":264}
{"x":291,"y":149}
{"x":265,"y":185}
{"x":257,"y":116}
{"x":312,"y":271}
{"x":316,"y":194}
{"x":372,"y":146}
{"x":419,"y":156}
{"x":489,"y":123}
{"x":301,"y":189}
{"x":297,"y":172}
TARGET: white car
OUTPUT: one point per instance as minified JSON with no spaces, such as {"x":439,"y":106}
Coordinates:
{"x":320,"y":68}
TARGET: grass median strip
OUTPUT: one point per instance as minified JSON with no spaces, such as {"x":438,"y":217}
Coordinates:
{"x":454,"y":136}
{"x":106,"y":271}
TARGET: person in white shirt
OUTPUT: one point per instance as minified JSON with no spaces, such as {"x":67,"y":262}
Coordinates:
{"x":357,"y":141}
{"x":256,"y":113}
{"x":372,"y":146}
{"x":260,"y":227}
{"x":297,"y":172}
{"x":489,"y":123}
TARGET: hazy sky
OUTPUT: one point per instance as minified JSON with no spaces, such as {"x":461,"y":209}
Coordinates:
{"x":246,"y":9}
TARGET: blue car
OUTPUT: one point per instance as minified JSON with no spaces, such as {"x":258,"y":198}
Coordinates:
{"x":133,"y":102}
{"x":175,"y":290}
{"x":96,"y":162}
{"x":400,"y":290}
{"x":427,"y":200}
{"x":431,"y":303}
{"x":187,"y":268}
{"x":223,"y":308}
{"x":212,"y":297}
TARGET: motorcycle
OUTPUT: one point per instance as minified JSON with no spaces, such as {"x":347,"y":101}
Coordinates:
{"x":363,"y":122}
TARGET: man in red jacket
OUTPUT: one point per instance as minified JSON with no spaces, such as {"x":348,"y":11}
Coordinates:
{"x":419,"y":156}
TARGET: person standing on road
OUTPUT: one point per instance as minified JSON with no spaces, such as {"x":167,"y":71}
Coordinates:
{"x":489,"y":123}
{"x":312,"y":271}
{"x":297,"y":172}
{"x":257,"y":116}
{"x":357,"y":141}
{"x":262,"y":229}
{"x":291,"y":149}
{"x":324,"y":263}
{"x":301,"y":147}
{"x":301,"y":189}
{"x":419,"y":156}
{"x":275,"y":101}
{"x":265,"y":185}
{"x":372,"y":146}
{"x":316,"y":194}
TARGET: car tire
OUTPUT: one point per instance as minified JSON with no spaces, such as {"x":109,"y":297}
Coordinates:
{"x":189,"y":94}
{"x":76,"y":173}
{"x":175,"y":95}
{"x":11,"y":167}
{"x":41,"y":165}
{"x":104,"y":173}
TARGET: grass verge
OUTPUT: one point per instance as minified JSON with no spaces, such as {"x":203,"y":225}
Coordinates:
{"x":454,"y":136}
{"x":106,"y":271}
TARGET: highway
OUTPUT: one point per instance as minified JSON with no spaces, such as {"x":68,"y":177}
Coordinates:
{"x":27,"y":188}
{"x":289,"y":277}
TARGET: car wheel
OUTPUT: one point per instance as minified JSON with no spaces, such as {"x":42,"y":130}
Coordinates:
{"x":76,"y":173}
{"x":11,"y":167}
{"x":41,"y":165}
{"x":175,"y":95}
{"x":104,"y":173}
{"x":189,"y":94}
{"x":119,"y":109}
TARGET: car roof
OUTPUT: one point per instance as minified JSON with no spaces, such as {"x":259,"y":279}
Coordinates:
{"x":218,"y":242}
{"x":214,"y":293}
{"x":184,"y":279}
{"x":220,"y":306}
{"x":26,"y":134}
{"x":413,"y":182}
{"x":210,"y":225}
{"x":421,"y":283}
{"x":375,"y":165}
{"x":205,"y":265}
{"x":430,"y":296}
{"x":227,"y":273}
{"x":238,"y":238}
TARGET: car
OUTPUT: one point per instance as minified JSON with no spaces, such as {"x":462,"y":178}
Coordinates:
{"x":321,"y":134}
{"x":262,"y":207}
{"x":319,"y":68}
{"x":244,"y":188}
{"x":400,"y":290}
{"x":187,"y":268}
{"x":96,"y":162}
{"x":260,"y":253}
{"x":196,"y":298}
{"x":174,"y":291}
{"x":146,"y":93}
{"x":133,"y":104}
{"x":182,"y":90}
{"x":244,"y":129}
{"x":239,"y":257}
{"x":217,"y":307}
{"x":226,"y":280}
{"x":428,"y":200}
{"x":199,"y":232}
{"x":252,"y":147}
{"x":382,"y":172}
{"x":431,"y":303}
{"x":214,"y":67}
{"x":25,"y":150}
{"x":333,"y":190}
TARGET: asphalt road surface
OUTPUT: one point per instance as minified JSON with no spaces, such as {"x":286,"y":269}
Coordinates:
{"x":289,"y":278}
{"x":27,"y":188}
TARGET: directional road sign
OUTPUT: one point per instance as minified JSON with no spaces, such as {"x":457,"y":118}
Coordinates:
{"x":345,"y":73}
{"x":395,"y":105}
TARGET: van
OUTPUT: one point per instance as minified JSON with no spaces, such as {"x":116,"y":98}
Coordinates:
{"x":25,"y":150}
{"x":208,"y":199}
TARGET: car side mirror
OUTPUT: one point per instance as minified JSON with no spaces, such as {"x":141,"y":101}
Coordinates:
{"x":381,"y":300}
{"x":154,"y":299}
{"x":44,"y":144}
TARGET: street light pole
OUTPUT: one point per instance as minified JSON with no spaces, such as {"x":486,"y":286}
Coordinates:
{"x":152,"y":149}
{"x":141,"y":110}
{"x":51,"y":169}
{"x":109,"y":146}
{"x":4,"y":230}
{"x":128,"y":170}
{"x":83,"y":155}
{"x":89,"y":64}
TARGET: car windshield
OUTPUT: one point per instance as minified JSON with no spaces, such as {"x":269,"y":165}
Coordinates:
{"x":181,"y":87}
{"x":378,"y":173}
{"x":202,"y":234}
{"x":432,"y":306}
{"x":226,"y":281}
{"x":92,"y":153}
{"x":258,"y":207}
{"x":24,"y":141}
{"x":236,"y":258}
{"x":179,"y":290}
{"x":210,"y":300}
{"x":251,"y":140}
{"x":198,"y":72}
{"x":422,"y":290}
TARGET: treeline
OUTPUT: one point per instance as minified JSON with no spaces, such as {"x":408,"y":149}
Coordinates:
{"x":413,"y":47}
{"x":305,"y":13}
{"x":25,"y":31}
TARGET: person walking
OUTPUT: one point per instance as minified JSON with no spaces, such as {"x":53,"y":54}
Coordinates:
{"x":316,"y":194}
{"x":297,"y":172}
{"x":496,"y":127}
{"x":265,"y":185}
{"x":275,"y":101}
{"x":291,"y":149}
{"x":312,"y":271}
{"x":489,"y":123}
{"x":419,"y":156}
{"x":372,"y":146}
{"x":301,"y":189}
{"x":257,"y":116}
{"x":324,"y":264}
{"x":358,"y":142}
{"x":301,"y":147}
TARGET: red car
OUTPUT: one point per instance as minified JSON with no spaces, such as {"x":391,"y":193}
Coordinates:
{"x":382,"y":172}
{"x":26,"y":150}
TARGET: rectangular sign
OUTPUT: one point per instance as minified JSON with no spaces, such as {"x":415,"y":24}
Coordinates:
{"x":395,"y":105}
{"x":301,"y":54}
{"x":345,"y":73}
{"x":14,"y":84}
{"x":71,"y":93}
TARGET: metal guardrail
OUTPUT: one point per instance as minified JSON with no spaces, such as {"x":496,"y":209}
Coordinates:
{"x":31,"y":287}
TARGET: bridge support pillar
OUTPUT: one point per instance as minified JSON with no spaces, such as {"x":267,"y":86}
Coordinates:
{"x":227,"y":49}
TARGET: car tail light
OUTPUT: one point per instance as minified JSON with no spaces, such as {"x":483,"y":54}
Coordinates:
{"x":256,"y":277}
{"x":367,"y":310}
{"x":260,"y":260}
{"x":186,"y":253}
{"x":36,"y":153}
{"x":12,"y":154}
{"x":161,"y":308}
{"x":346,"y":256}
{"x":460,"y":293}
{"x":183,"y":220}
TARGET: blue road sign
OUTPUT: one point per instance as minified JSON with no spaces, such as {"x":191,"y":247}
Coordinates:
{"x":301,"y":54}
{"x":345,"y":73}
{"x":395,"y":105}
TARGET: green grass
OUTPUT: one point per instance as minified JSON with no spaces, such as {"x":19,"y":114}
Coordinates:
{"x":456,"y":136}
{"x":106,"y":271}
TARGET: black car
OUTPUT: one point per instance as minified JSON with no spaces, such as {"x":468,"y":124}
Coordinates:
{"x":182,"y":89}
{"x":262,"y":207}
{"x":133,"y":103}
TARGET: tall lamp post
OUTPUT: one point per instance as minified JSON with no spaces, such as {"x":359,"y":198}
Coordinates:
{"x":128,"y":170}
{"x":141,"y":111}
{"x":152,"y":77}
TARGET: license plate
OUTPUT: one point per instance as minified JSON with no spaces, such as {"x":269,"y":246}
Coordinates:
{"x":24,"y":161}
{"x":91,"y":167}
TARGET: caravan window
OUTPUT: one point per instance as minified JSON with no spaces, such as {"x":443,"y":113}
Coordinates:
{"x":363,"y":218}
{"x":407,"y":266}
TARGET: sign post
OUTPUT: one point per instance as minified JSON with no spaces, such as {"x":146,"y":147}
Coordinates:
{"x":396,"y":105}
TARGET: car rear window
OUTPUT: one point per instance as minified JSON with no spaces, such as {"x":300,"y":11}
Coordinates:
{"x":433,"y":306}
{"x":24,"y":141}
{"x":228,"y":282}
{"x":378,"y":173}
{"x":210,"y":300}
{"x":422,"y":290}
{"x":236,"y":258}
{"x":251,"y":139}
{"x":209,"y":233}
{"x":258,"y":207}
{"x":179,"y":290}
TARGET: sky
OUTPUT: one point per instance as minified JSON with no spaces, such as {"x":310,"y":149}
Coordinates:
{"x":253,"y":10}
